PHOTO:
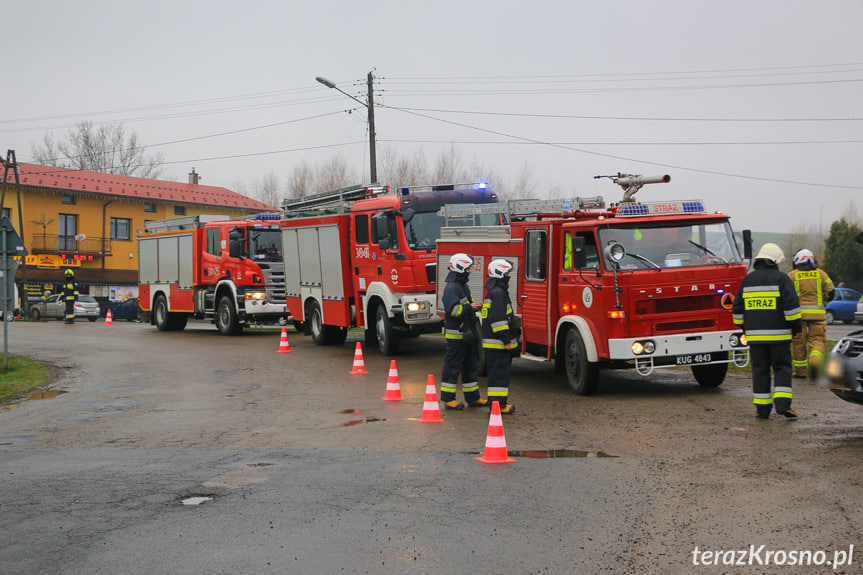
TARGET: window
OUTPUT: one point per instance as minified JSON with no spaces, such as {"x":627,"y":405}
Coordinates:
{"x":536,"y":260}
{"x":120,"y":228}
{"x":213,"y":242}
{"x":179,"y":210}
{"x":590,"y":253}
{"x":67,"y":230}
{"x":68,"y":199}
{"x":7,"y":213}
{"x":150,"y":207}
{"x":361,"y":223}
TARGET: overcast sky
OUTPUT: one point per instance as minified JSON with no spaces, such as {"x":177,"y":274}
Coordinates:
{"x":754,"y":106}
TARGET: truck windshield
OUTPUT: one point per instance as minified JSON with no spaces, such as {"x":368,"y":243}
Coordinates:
{"x":265,"y":245}
{"x":423,"y":231}
{"x":673,"y":246}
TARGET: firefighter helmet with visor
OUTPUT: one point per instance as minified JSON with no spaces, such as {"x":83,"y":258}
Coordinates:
{"x":499,"y":268}
{"x":803,"y":256}
{"x":771,"y":252}
{"x":460,"y":263}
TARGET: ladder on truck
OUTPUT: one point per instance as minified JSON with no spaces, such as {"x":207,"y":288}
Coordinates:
{"x":183,"y":223}
{"x":336,"y":199}
{"x":517,"y":208}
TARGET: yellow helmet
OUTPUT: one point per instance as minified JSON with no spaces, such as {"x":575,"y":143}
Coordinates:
{"x":69,"y":272}
{"x":770,"y":252}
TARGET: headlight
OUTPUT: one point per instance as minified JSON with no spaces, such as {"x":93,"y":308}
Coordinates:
{"x":834,"y":368}
{"x":737,"y":340}
{"x":643,"y":347}
{"x":416,"y":305}
{"x":256,"y":295}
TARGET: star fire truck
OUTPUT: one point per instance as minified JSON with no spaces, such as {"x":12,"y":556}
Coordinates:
{"x":635,"y":285}
{"x":365,"y":257}
{"x":211,"y":267}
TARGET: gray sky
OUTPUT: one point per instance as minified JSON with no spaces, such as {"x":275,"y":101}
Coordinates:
{"x":754,"y":106}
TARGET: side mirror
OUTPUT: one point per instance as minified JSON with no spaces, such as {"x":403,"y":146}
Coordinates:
{"x":408,"y":214}
{"x":747,"y":244}
{"x":381,"y":228}
{"x":579,"y":257}
{"x":384,"y":244}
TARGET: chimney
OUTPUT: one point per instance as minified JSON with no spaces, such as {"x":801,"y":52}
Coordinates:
{"x":193,"y":177}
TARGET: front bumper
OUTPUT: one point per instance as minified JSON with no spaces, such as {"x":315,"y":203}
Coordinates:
{"x":694,"y":347}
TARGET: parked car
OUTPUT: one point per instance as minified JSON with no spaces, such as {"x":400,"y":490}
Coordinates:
{"x":843,"y":365}
{"x":55,"y":307}
{"x":843,"y":307}
{"x":128,"y":310}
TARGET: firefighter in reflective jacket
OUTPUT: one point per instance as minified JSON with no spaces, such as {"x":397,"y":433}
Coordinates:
{"x":497,"y":338}
{"x":70,"y":294}
{"x":768,"y":310}
{"x":461,"y":329}
{"x":815,"y":289}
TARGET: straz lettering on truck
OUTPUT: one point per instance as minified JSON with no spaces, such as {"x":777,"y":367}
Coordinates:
{"x":633,"y":285}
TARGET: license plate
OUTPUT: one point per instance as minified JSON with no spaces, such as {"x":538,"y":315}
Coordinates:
{"x":693,"y":359}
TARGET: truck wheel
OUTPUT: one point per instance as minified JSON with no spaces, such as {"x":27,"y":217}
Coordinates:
{"x":711,"y":375}
{"x":582,"y":375}
{"x":226,"y":317}
{"x":160,"y":314}
{"x":388,"y":341}
{"x":316,"y":324}
{"x":35,"y":314}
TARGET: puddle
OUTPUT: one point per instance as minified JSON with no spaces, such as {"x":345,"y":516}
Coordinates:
{"x":351,"y":411}
{"x":45,"y":394}
{"x":259,"y":464}
{"x":196,"y":500}
{"x":555,"y":453}
{"x":366,"y":420}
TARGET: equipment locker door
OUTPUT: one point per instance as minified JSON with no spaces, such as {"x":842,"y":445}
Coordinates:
{"x":535,"y":298}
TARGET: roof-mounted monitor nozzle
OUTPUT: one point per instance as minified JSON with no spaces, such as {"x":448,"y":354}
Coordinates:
{"x":631,"y":183}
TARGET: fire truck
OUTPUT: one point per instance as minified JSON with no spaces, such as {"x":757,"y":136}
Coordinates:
{"x":364,"y":257}
{"x":633,"y":285}
{"x":211,"y":267}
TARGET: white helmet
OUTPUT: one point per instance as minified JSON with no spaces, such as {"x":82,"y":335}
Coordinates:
{"x":803,"y":256}
{"x":460,"y":263}
{"x":770,"y":252}
{"x":498,"y":268}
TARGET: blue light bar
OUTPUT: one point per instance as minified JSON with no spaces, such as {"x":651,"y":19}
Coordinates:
{"x":684,"y":207}
{"x":268,"y":216}
{"x":482,"y":185}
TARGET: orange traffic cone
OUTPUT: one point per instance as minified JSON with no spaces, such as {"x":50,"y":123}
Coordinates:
{"x":284,"y":346}
{"x":394,"y":392}
{"x":495,"y":442}
{"x":359,"y":366}
{"x":108,"y":319}
{"x":431,"y":409}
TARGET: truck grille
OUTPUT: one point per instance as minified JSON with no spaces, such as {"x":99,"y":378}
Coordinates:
{"x":854,"y":349}
{"x":707,"y":324}
{"x":676,"y":304}
{"x":275,"y":280}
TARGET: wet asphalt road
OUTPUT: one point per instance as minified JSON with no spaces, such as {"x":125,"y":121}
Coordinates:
{"x":308,"y":471}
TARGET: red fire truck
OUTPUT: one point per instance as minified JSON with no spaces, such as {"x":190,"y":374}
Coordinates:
{"x":210,"y":266}
{"x":635,"y":285}
{"x":365,"y":257}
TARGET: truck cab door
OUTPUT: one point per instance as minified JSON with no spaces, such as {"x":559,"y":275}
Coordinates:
{"x":537,"y":296}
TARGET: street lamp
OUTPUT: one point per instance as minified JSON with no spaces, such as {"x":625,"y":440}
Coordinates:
{"x":373,"y":170}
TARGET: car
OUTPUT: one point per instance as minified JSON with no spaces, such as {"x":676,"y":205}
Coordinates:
{"x":128,"y":310}
{"x":54,"y":306}
{"x":843,"y":365}
{"x":843,"y":307}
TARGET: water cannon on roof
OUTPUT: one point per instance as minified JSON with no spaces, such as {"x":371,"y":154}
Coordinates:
{"x":632,"y":183}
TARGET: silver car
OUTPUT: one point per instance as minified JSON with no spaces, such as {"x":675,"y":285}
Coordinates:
{"x":54,"y":306}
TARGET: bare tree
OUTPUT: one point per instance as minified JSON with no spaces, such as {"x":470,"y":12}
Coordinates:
{"x":448,"y":166}
{"x":399,"y":171}
{"x":105,"y":148}
{"x":334,"y":174}
{"x":267,"y":190}
{"x":302,"y":181}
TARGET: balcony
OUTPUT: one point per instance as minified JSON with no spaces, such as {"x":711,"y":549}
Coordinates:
{"x":56,"y":244}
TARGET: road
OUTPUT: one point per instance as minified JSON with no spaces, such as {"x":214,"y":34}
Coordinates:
{"x":306,"y":470}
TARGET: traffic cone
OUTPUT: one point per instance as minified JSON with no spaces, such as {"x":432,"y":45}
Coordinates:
{"x":108,"y":318}
{"x":431,"y":409}
{"x":394,"y":392}
{"x":359,"y":366}
{"x":495,"y":442}
{"x":284,"y":346}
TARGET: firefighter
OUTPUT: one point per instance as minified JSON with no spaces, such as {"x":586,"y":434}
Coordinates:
{"x":70,"y":294}
{"x":768,"y":309}
{"x":815,"y":289}
{"x":497,"y":336}
{"x":462,"y":332}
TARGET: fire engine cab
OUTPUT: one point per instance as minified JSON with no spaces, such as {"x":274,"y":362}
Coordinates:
{"x":634,"y":285}
{"x":364,"y":257}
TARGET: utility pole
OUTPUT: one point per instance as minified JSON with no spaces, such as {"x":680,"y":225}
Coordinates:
{"x":11,"y":162}
{"x":371,"y":106}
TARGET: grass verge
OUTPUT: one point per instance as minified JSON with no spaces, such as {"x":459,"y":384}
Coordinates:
{"x":21,"y":377}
